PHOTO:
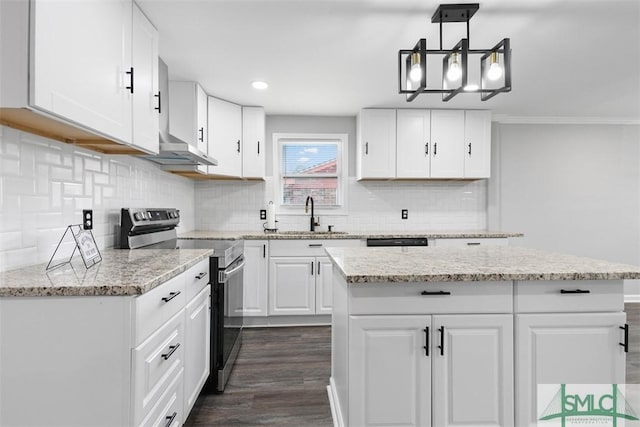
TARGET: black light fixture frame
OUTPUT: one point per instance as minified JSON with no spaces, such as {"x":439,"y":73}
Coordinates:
{"x":454,"y":13}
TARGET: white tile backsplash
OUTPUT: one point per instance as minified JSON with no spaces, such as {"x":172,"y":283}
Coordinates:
{"x":45,"y":184}
{"x":371,"y":206}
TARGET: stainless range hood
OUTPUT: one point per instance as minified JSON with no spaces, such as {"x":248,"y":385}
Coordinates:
{"x":175,"y":154}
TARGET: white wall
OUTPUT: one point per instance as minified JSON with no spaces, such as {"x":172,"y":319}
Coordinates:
{"x":569,"y":188}
{"x":45,"y":184}
{"x":371,"y":205}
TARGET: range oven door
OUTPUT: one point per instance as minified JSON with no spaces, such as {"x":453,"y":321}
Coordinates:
{"x":227,"y":327}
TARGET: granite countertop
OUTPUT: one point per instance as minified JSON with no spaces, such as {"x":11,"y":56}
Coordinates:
{"x":292,"y":235}
{"x":432,"y":264}
{"x":121,"y":272}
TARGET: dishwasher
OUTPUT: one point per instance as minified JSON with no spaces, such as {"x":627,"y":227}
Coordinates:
{"x":397,"y":241}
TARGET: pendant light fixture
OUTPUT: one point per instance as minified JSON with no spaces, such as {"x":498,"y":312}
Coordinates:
{"x":495,"y":63}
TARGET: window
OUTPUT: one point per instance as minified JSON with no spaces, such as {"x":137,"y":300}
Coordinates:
{"x":310,"y":165}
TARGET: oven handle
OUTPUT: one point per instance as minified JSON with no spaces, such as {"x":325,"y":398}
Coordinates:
{"x":226,"y":275}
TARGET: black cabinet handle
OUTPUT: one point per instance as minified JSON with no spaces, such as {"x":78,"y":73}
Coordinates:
{"x":429,"y":293}
{"x":435,"y":148}
{"x":469,"y":148}
{"x":473,"y":243}
{"x":441,"y":346}
{"x":312,"y":263}
{"x":625,"y":344}
{"x":318,"y":269}
{"x":258,"y":147}
{"x":426,"y":149}
{"x":201,"y":131}
{"x":171,"y":296}
{"x":426,"y":340}
{"x":264,"y":251}
{"x":575,"y":291}
{"x":170,"y":419}
{"x":201,"y":275}
{"x":130,"y":72}
{"x":172,"y":349}
{"x":159,"y":107}
{"x":315,"y":245}
{"x":238,"y":146}
{"x":366,"y":148}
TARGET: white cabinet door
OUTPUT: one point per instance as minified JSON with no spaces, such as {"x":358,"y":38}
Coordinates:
{"x":201,"y":120}
{"x":477,"y":141}
{"x":225,"y":133}
{"x":197,"y":346}
{"x":292,"y":285}
{"x":561,"y":348}
{"x":81,"y":53}
{"x":324,"y":285}
{"x":255,"y":280}
{"x":473,"y":372}
{"x":389,"y":371}
{"x":377,"y":143}
{"x":145,"y":94}
{"x":447,"y":137}
{"x":479,"y":241}
{"x":253,"y":142}
{"x":413,"y":144}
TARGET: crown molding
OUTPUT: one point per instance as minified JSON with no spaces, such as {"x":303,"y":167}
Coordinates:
{"x":563,"y":120}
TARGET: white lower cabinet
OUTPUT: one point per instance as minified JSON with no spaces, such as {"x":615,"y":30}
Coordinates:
{"x":479,"y":241}
{"x":255,"y":281}
{"x":197,"y":350}
{"x":557,"y":348}
{"x":292,"y":285}
{"x":422,"y":370}
{"x":324,"y":285}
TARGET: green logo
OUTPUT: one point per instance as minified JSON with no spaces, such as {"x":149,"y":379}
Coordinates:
{"x":588,"y":404}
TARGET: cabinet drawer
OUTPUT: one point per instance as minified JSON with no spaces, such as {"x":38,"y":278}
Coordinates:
{"x":483,"y":241}
{"x":196,"y":278}
{"x":568,"y":296}
{"x":168,"y":412}
{"x":431,"y":298}
{"x":156,"y":362}
{"x":158,"y":305}
{"x":308,"y":247}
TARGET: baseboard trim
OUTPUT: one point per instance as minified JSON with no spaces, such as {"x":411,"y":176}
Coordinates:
{"x":275,"y":321}
{"x":632,"y":299}
{"x":336,"y":412}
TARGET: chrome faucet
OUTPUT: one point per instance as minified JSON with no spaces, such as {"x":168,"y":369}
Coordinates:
{"x":306,"y":210}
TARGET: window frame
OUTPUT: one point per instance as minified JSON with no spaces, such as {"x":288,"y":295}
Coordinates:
{"x":341,"y":140}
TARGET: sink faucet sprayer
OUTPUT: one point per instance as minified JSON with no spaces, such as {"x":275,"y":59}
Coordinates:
{"x":306,"y":210}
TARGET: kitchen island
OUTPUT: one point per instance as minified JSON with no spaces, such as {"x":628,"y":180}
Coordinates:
{"x":463,"y":336}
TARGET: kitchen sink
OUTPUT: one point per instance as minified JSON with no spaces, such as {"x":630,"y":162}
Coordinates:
{"x":315,"y":233}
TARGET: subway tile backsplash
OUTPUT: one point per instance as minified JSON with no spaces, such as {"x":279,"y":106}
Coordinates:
{"x":45,"y":184}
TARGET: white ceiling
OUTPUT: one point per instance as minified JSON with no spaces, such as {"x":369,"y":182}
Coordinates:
{"x":571,"y":58}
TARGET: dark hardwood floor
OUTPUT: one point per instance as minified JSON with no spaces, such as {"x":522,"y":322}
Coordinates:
{"x":279,"y":379}
{"x":281,"y":375}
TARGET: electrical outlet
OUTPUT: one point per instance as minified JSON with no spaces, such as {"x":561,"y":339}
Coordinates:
{"x":87,"y":219}
{"x":263,"y":214}
{"x":405,"y":213}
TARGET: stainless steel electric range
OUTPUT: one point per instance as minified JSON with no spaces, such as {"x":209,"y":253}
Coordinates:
{"x":152,"y":228}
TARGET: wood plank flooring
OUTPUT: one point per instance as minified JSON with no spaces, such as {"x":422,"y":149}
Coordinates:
{"x":281,"y":375}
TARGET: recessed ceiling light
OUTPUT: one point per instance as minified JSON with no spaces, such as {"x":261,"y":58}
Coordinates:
{"x":259,"y":85}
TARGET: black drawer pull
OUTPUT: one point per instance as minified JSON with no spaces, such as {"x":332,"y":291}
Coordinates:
{"x":441,"y":346}
{"x":426,"y":339}
{"x":473,"y":243}
{"x":625,"y":344}
{"x":201,"y":275}
{"x":171,"y":296}
{"x":170,"y":419}
{"x":315,"y":245}
{"x":429,"y":293}
{"x":575,"y":291}
{"x":172,"y":349}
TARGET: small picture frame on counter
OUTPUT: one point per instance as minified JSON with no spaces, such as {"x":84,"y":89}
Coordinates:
{"x":83,"y":241}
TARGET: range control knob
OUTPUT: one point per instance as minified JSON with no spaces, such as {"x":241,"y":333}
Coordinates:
{"x":137,"y":216}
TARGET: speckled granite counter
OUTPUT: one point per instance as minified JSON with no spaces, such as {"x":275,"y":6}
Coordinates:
{"x":121,"y":272}
{"x":289,"y":235}
{"x":426,"y":264}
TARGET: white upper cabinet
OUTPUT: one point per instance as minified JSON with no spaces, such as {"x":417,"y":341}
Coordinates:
{"x":376,"y":157}
{"x":447,"y":137}
{"x":202,"y":129}
{"x":81,"y":63}
{"x":146,"y":96}
{"x":477,"y":140}
{"x":413,"y":144}
{"x":225,"y":134}
{"x":188,"y":113}
{"x":253,"y":142}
